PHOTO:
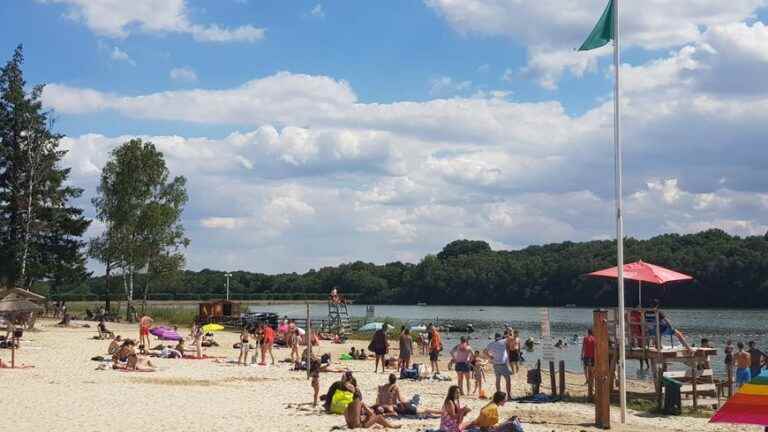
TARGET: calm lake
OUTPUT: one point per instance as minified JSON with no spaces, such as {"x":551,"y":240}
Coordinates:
{"x":716,"y":325}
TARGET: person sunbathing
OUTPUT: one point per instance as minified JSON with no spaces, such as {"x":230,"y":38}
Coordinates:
{"x":359,"y":416}
{"x":114,"y":346}
{"x":347,"y":383}
{"x":122,"y":353}
{"x":390,"y":402}
{"x":103,"y":331}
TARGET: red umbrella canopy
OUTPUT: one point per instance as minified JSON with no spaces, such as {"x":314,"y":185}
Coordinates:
{"x":645,"y":272}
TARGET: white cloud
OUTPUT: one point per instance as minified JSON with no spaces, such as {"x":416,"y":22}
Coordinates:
{"x":120,"y":55}
{"x":318,"y":11}
{"x":183,"y":74}
{"x":551,"y":29}
{"x":444,"y":85}
{"x":118,"y":19}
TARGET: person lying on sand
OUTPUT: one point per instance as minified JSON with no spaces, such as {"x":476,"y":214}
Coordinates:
{"x":359,"y":416}
{"x":123,"y":352}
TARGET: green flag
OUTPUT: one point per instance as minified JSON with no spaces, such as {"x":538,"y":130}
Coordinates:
{"x":603,"y":31}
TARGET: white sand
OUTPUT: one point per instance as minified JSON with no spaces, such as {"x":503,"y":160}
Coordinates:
{"x":64,"y":392}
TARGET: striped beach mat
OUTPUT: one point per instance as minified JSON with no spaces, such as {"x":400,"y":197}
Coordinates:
{"x":748,"y":406}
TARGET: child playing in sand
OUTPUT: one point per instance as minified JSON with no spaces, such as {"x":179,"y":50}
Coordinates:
{"x":478,"y":374}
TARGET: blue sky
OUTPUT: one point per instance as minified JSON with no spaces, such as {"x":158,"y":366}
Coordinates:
{"x":314,"y":133}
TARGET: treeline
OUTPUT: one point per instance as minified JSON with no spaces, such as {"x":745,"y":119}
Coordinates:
{"x":730,"y":271}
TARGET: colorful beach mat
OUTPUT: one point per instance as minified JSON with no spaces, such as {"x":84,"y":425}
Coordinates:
{"x":748,"y":406}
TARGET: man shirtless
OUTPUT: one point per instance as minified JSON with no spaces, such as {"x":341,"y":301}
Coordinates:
{"x":360,"y":416}
{"x":390,"y":402}
{"x":743,"y":362}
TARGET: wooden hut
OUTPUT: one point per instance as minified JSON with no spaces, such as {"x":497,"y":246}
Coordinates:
{"x":220,"y":311}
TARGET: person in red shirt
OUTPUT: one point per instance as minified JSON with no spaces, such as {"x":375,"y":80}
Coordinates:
{"x":588,"y":354}
{"x":266,"y":345}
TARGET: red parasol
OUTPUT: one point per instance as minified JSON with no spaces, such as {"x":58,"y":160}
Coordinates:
{"x":644,"y":272}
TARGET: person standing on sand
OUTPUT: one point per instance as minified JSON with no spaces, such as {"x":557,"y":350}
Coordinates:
{"x":497,"y":351}
{"x":461,"y":356}
{"x":588,"y":354}
{"x":756,"y":359}
{"x":435,"y":346}
{"x":245,"y":342}
{"x":380,"y":346}
{"x":144,"y":324}
{"x":743,"y":363}
{"x":197,"y":340}
{"x":268,"y":339}
{"x":513,"y":348}
{"x":406,"y":349}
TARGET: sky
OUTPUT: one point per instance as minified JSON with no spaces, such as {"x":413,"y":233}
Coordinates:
{"x":315,"y":133}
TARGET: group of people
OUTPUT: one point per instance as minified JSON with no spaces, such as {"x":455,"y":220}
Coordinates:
{"x":264,"y":337}
{"x":390,"y":402}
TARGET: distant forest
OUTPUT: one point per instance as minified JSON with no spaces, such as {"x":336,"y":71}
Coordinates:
{"x":729,"y":271}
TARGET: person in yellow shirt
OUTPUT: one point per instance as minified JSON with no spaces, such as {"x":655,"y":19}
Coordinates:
{"x":489,"y":414}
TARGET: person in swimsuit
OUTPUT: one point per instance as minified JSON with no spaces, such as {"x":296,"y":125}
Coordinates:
{"x":359,"y":416}
{"x":144,"y":324}
{"x":244,"y":347}
{"x":406,"y":349}
{"x":462,"y":355}
{"x":197,"y":340}
{"x":478,"y":374}
{"x":513,"y":350}
{"x":268,"y":339}
{"x":743,"y":363}
{"x":453,"y":413}
{"x":114,"y":346}
{"x":435,"y":346}
{"x":380,"y":346}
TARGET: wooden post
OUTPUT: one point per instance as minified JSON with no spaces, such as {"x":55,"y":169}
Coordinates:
{"x":601,"y":370}
{"x":695,"y":393}
{"x":13,"y":354}
{"x":309,"y":344}
{"x":729,"y":377}
{"x":552,"y":379}
{"x":537,"y":386}
{"x":561,"y":372}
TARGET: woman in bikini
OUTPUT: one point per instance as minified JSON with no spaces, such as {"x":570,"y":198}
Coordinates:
{"x":453,"y":413}
{"x":244,"y":347}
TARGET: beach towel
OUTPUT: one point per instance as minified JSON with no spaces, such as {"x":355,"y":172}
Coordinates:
{"x":341,"y":399}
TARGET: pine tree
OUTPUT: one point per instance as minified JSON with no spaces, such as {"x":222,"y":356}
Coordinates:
{"x":40,"y":231}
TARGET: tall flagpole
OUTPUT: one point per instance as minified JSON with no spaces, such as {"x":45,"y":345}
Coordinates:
{"x":619,"y":215}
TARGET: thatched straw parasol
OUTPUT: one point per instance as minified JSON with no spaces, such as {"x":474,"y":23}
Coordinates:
{"x":20,"y":305}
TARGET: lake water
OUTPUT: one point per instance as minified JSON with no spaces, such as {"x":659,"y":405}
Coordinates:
{"x":716,"y":325}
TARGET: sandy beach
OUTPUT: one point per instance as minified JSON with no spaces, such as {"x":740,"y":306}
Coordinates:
{"x":64,"y":391}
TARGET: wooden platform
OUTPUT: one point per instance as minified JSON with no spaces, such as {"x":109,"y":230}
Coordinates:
{"x":679,"y":354}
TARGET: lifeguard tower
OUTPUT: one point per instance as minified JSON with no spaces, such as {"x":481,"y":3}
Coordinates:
{"x":338,"y":315}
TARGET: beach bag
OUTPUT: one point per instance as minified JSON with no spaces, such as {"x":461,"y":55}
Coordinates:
{"x":511,"y":425}
{"x":341,"y":399}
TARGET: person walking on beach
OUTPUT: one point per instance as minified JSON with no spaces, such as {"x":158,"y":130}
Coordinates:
{"x":756,"y":359}
{"x":380,"y":346}
{"x":461,"y":356}
{"x":497,"y":351}
{"x":588,"y":354}
{"x":743,"y":364}
{"x":144,"y":324}
{"x":406,"y":349}
{"x":435,"y":346}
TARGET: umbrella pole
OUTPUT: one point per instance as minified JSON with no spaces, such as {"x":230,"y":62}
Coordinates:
{"x":639,"y":294}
